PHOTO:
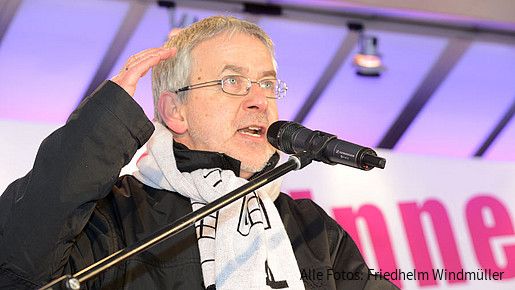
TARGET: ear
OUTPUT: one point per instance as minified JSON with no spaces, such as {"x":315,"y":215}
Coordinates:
{"x":172,"y":113}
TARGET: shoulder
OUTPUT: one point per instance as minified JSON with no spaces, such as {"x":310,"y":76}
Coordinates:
{"x":304,"y":210}
{"x":128,"y":189}
{"x":308,"y":219}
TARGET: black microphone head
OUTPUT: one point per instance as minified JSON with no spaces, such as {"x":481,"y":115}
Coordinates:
{"x":273,"y":135}
{"x":292,"y":138}
{"x":280,"y":135}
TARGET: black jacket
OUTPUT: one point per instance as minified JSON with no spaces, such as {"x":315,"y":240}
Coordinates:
{"x":72,"y":209}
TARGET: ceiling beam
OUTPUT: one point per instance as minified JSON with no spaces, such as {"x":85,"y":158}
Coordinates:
{"x":496,"y":131}
{"x":343,"y":51}
{"x":8,"y":10}
{"x":117,"y":46}
{"x":492,"y":14}
{"x":439,"y":71}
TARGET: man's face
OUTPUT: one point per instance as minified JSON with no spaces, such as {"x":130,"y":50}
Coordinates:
{"x":217,"y":121}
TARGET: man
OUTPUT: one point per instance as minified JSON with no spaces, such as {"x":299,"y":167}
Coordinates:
{"x":215,"y":90}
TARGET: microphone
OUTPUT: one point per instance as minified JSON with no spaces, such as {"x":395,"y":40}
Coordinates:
{"x":291,"y":138}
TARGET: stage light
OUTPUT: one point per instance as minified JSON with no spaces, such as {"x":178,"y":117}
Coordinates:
{"x":368,"y":61}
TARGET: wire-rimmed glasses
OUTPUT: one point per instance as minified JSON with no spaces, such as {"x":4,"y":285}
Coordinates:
{"x":240,"y":86}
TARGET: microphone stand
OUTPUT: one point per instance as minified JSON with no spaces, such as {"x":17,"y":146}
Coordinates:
{"x":295,"y":162}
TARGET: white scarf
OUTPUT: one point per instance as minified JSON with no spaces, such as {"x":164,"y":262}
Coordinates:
{"x":243,"y":245}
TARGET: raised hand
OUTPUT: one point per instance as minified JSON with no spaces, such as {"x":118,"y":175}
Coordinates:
{"x":138,"y":65}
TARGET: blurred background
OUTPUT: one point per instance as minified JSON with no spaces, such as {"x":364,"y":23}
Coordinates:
{"x":430,"y":79}
{"x":446,"y":88}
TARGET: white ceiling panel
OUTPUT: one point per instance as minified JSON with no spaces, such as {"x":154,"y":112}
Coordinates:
{"x":303,"y":51}
{"x":467,"y":106}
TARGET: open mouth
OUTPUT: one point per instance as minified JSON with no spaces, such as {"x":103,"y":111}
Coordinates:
{"x":254,"y":131}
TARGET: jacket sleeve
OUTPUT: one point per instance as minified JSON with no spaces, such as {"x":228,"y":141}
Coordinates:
{"x":42,"y":213}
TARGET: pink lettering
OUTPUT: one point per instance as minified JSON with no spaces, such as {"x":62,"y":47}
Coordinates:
{"x":411,"y":214}
{"x":378,"y":232}
{"x":300,"y":194}
{"x":482,"y":232}
{"x":489,"y":221}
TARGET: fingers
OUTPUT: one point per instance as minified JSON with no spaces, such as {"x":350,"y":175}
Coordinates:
{"x":151,"y":52}
{"x":146,"y":59}
{"x":142,"y":63}
{"x":138,"y":65}
{"x":174,"y":32}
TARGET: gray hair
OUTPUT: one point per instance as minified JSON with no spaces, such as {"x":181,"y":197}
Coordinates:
{"x":174,"y":73}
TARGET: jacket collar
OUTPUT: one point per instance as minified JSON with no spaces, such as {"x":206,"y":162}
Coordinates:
{"x":191,"y":160}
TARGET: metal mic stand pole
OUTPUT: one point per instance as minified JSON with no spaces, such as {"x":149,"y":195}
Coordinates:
{"x":295,"y":162}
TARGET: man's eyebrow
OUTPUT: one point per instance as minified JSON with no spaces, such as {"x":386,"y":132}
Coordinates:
{"x":235,"y":68}
{"x":269,"y":73}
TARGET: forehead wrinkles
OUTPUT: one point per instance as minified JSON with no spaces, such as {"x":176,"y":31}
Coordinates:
{"x":226,"y":45}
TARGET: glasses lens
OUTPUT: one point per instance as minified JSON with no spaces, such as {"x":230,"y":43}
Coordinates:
{"x":239,"y":85}
{"x":235,"y":85}
{"x":280,"y":89}
{"x":270,"y":87}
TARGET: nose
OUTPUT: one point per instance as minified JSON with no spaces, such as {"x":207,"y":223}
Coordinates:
{"x":256,"y":100}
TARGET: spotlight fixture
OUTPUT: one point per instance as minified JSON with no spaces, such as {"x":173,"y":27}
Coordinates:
{"x":368,"y":60}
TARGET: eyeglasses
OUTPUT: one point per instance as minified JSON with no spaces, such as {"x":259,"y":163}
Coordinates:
{"x":240,"y":86}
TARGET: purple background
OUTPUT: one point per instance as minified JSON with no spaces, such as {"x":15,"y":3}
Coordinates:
{"x":52,"y":49}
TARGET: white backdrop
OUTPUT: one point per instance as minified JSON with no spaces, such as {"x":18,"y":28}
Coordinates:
{"x":466,"y":200}
{"x":420,"y":215}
